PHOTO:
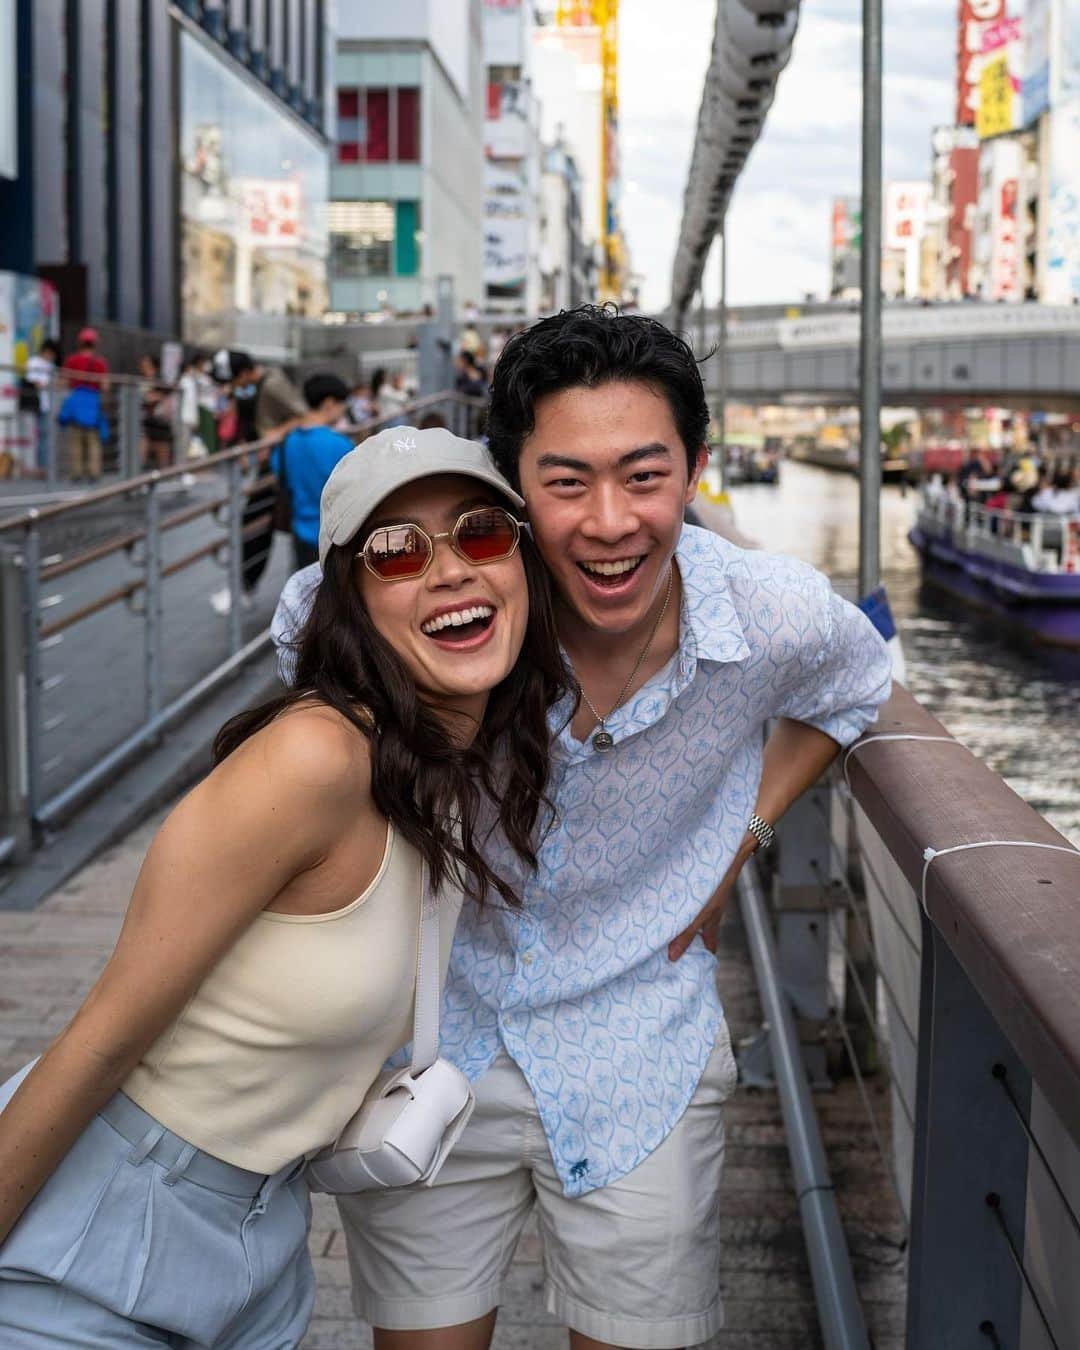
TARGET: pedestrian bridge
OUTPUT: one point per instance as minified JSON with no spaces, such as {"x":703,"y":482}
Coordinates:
{"x":1021,"y":356}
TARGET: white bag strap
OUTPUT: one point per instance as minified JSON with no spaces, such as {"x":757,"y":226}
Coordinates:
{"x":425,"y":1050}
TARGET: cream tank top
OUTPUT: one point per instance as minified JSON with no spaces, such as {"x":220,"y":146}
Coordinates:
{"x":274,"y":1052}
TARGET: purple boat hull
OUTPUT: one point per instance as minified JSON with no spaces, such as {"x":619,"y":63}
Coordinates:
{"x":1044,"y":604}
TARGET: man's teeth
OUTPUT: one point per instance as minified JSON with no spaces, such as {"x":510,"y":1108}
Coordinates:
{"x":611,"y":569}
{"x":456,"y":618}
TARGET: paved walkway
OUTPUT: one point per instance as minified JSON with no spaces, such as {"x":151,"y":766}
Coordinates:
{"x":49,"y":957}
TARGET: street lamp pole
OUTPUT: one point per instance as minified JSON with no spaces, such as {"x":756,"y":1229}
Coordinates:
{"x":721,"y":356}
{"x":870,"y":326}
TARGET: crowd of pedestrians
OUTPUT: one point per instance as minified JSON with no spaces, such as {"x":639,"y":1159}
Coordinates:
{"x":1022,"y":483}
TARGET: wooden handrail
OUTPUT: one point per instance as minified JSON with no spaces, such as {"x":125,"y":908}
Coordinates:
{"x":1011,"y":916}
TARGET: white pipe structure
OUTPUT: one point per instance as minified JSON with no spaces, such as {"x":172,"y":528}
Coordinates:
{"x":752,"y":44}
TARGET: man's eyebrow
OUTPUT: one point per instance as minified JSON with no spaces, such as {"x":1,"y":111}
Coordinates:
{"x":655,"y":449}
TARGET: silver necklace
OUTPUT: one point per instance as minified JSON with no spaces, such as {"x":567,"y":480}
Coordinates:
{"x":602,"y":739}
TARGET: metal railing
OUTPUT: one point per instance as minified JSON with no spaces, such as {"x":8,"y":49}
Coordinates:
{"x":109,"y":636}
{"x":950,"y":908}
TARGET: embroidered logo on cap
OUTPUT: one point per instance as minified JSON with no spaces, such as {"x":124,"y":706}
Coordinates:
{"x":405,"y":445}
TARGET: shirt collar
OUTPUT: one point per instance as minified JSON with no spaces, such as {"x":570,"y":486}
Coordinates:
{"x":709,"y":630}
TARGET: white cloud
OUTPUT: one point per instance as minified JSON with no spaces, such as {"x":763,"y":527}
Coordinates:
{"x":810,"y":149}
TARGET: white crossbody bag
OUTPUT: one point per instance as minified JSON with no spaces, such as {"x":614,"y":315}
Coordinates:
{"x":411,"y":1118}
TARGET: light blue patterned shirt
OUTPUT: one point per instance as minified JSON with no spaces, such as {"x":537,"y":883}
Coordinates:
{"x":577,"y":986}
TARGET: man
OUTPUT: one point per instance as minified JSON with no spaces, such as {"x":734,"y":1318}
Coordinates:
{"x":80,"y":413}
{"x":590,"y":1020}
{"x":306,"y":458}
{"x":268,"y":406}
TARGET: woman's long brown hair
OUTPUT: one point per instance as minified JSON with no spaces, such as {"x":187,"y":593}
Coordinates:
{"x":430,"y":788}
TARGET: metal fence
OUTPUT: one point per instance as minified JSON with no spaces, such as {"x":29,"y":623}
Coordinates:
{"x":928,"y":917}
{"x":108,"y":624}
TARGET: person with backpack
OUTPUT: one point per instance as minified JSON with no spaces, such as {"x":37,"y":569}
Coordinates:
{"x":81,"y":414}
{"x":306,"y":458}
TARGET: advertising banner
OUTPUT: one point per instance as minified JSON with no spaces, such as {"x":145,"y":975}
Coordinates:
{"x":994,"y":115}
{"x":505,"y":229}
{"x":1035,"y":76}
{"x":504,"y":33}
{"x":506,"y":130}
{"x":270,"y":212}
{"x":1006,"y":165}
{"x":505,"y":254}
{"x":905,"y":212}
{"x":974,"y":18}
{"x":999,"y":108}
{"x":1062,"y":277}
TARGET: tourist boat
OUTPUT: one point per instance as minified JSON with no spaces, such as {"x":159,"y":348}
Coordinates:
{"x":1025,"y":568}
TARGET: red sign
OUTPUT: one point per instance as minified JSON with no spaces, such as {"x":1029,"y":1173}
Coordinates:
{"x":973,"y":19}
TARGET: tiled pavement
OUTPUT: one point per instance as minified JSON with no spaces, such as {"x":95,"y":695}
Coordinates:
{"x":48,"y":958}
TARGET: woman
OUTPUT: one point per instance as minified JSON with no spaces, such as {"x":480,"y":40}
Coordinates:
{"x":159,"y":402}
{"x":266,"y":966}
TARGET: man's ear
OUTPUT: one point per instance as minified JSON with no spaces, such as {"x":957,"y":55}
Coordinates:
{"x":700,"y":461}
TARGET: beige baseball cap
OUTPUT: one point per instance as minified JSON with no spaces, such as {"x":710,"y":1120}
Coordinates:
{"x":388,"y":460}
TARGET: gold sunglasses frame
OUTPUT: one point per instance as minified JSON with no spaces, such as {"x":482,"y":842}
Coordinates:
{"x":443,"y":534}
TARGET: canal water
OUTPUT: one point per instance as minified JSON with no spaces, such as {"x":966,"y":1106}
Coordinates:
{"x":1015,"y":704}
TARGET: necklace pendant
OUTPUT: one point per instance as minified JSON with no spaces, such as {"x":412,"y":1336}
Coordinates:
{"x":603,"y":741}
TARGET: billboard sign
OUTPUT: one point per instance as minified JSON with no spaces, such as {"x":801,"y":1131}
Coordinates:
{"x":504,"y":32}
{"x":905,"y":212}
{"x":1035,"y":78}
{"x":505,"y":230}
{"x":506,"y":129}
{"x":1005,"y":272}
{"x":270,"y":214}
{"x":974,"y":19}
{"x":999,"y":108}
{"x":1061,"y":284}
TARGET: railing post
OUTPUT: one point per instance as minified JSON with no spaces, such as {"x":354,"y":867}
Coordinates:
{"x":130,"y":429}
{"x":801,"y":904}
{"x":14,"y":804}
{"x":31,"y":609}
{"x":970,"y":1167}
{"x":236,"y":548}
{"x":152,"y":612}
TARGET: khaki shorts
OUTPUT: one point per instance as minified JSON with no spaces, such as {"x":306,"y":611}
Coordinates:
{"x":634,"y":1263}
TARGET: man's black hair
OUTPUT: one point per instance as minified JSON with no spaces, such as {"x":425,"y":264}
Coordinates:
{"x":585,"y":348}
{"x":318,"y":388}
{"x":240,"y":363}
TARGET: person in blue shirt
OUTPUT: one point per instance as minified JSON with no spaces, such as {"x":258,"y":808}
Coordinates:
{"x":590,"y":1020}
{"x":306,"y":458}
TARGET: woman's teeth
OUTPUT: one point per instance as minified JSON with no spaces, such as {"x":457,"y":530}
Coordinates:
{"x":456,"y":618}
{"x":611,"y":569}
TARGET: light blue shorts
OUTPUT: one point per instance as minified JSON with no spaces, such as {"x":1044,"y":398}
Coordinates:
{"x":140,"y":1239}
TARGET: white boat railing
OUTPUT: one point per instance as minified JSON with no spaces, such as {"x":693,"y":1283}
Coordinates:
{"x":1039,"y":541}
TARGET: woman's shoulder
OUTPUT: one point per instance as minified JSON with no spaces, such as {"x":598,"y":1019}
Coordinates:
{"x":313,"y":751}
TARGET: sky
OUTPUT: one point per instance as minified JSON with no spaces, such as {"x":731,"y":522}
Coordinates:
{"x":808,"y":152}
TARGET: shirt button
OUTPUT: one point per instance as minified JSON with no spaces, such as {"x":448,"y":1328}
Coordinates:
{"x":527,"y":959}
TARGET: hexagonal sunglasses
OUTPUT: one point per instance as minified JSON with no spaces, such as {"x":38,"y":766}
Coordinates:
{"x":397,"y":552}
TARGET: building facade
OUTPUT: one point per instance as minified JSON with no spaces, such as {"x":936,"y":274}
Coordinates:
{"x":565,"y":262}
{"x":172,"y":161}
{"x":407,"y":171}
{"x":512,"y":152}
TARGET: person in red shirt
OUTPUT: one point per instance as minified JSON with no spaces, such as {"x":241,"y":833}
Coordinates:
{"x":80,"y":413}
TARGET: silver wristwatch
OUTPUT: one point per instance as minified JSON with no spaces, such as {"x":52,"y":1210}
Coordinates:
{"x":762,"y":831}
